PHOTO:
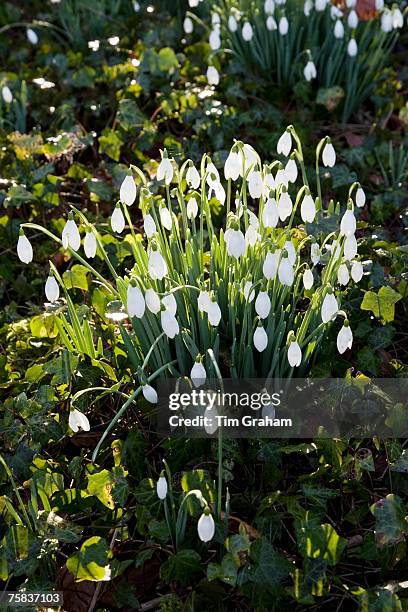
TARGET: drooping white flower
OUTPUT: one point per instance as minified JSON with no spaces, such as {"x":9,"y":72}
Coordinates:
{"x":294,"y":354}
{"x":352,"y":20}
{"x":291,"y":171}
{"x":320,"y":5}
{"x":307,"y":8}
{"x":263,"y":304}
{"x":52,"y":291}
{"x":198,"y":374}
{"x":247,"y":31}
{"x":161,"y":487}
{"x":32,"y":36}
{"x":77,"y":420}
{"x":169,"y":302}
{"x":249,"y":157}
{"x":343,"y":275}
{"x":252,"y":236}
{"x":90,"y":244}
{"x":70,"y":235}
{"x":135,"y":302}
{"x":329,"y":307}
{"x":149,"y":226}
{"x":193,"y":177}
{"x":188,"y":25}
{"x":328,"y":155}
{"x":270,"y":265}
{"x":357,"y":271}
{"x":310,"y":71}
{"x":249,"y":293}
{"x":6,"y":94}
{"x":24,"y":249}
{"x":285,"y":272}
{"x":270,"y":214}
{"x":127,"y":192}
{"x":204,"y":301}
{"x":269,"y":183}
{"x":344,"y":338}
{"x":215,"y":39}
{"x":214,"y":313}
{"x":117,"y":220}
{"x":235,"y":241}
{"x":339,"y":29}
{"x":308,"y":209}
{"x":169,"y":324}
{"x":379,"y":5}
{"x":386,"y":21}
{"x":232,"y":24}
{"x":206,"y":527}
{"x":255,"y":185}
{"x":213,"y":76}
{"x":284,"y":144}
{"x":152,"y":301}
{"x":215,"y":20}
{"x":253,"y":219}
{"x":166,"y":218}
{"x":360,"y":197}
{"x":232,"y":166}
{"x":271,"y":24}
{"x":219,"y":192}
{"x":269,"y":7}
{"x":308,"y":279}
{"x":350,"y":247}
{"x":192,"y":208}
{"x":285,"y":206}
{"x":352,"y":48}
{"x":315,"y":253}
{"x":157,"y":266}
{"x":348,"y":224}
{"x":291,"y":251}
{"x":150,"y":394}
{"x":397,"y":18}
{"x":281,"y":178}
{"x":260,"y":339}
{"x":351,"y":3}
{"x":165,"y":171}
{"x":283,"y":26}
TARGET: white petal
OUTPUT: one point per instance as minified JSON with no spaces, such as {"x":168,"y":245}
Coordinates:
{"x":350,"y":247}
{"x":157,"y":266}
{"x":214,"y":314}
{"x":90,"y":245}
{"x":169,"y":324}
{"x":135,"y":302}
{"x":270,"y":214}
{"x":77,"y":420}
{"x":206,"y":527}
{"x":24,"y":249}
{"x":149,"y":226}
{"x":152,"y":301}
{"x":357,"y":271}
{"x":161,"y":488}
{"x":284,"y":142}
{"x":198,"y":374}
{"x":329,"y":155}
{"x":165,"y":218}
{"x":52,"y":291}
{"x":308,"y":279}
{"x":348,"y":224}
{"x":294,"y":355}
{"x":193,"y":177}
{"x":260,"y":339}
{"x":169,"y":302}
{"x":308,"y":209}
{"x":149,"y":394}
{"x":204,"y":301}
{"x":263,"y":304}
{"x":285,"y":272}
{"x":128,"y":191}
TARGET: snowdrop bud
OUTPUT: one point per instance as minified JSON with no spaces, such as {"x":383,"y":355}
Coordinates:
{"x":309,"y":71}
{"x":271,"y":24}
{"x":70,"y":234}
{"x":165,"y":171}
{"x":6,"y":94}
{"x":215,"y":39}
{"x":118,"y":220}
{"x":284,"y":144}
{"x":285,"y":272}
{"x":198,"y":374}
{"x":329,"y":307}
{"x":315,"y":253}
{"x":397,"y":18}
{"x":357,"y":271}
{"x":248,"y":294}
{"x":149,"y":226}
{"x":270,"y":214}
{"x":152,"y":301}
{"x":157,"y":266}
{"x":328,"y":155}
{"x":260,"y":339}
{"x":343,"y":275}
{"x":344,"y":338}
{"x":24,"y":248}
{"x":161,"y":487}
{"x":294,"y":354}
{"x":192,"y":208}
{"x":235,"y":242}
{"x":206,"y":526}
{"x":32,"y":36}
{"x":386,"y":21}
{"x":352,"y":48}
{"x":193,"y":177}
{"x":170,"y":304}
{"x":348,"y":224}
{"x":352,"y":20}
{"x":308,"y":279}
{"x":255,"y":185}
{"x":285,"y":206}
{"x":127,"y":192}
{"x":360,"y":197}
{"x":149,"y":394}
{"x":350,"y":247}
{"x":308,"y":209}
{"x":339,"y":29}
{"x":135,"y":302}
{"x":263,"y":304}
{"x":213,"y":77}
{"x":90,"y":245}
{"x":214,"y":314}
{"x":232,"y":24}
{"x":283,"y":26}
{"x":77,"y":420}
{"x":247,"y":31}
{"x":270,"y":266}
{"x":269,"y":7}
{"x":52,"y":289}
{"x":165,"y":218}
{"x":291,"y":171}
{"x":203,"y":301}
{"x":307,"y":8}
{"x":232,"y":166}
{"x":188,"y":25}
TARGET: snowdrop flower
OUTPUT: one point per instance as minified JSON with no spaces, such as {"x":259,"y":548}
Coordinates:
{"x":352,"y":20}
{"x":204,"y":301}
{"x":350,"y":247}
{"x":339,"y":29}
{"x":360,"y":197}
{"x":309,"y":71}
{"x":253,"y":219}
{"x":232,"y":24}
{"x":397,"y":18}
{"x":135,"y":301}
{"x":283,"y":26}
{"x":51,"y":289}
{"x":165,"y":218}
{"x":152,"y":301}
{"x":352,"y":48}
{"x":193,"y":3}
{"x":386,"y":21}
{"x":291,"y":251}
{"x":271,"y":24}
{"x":215,"y":39}
{"x":250,"y":158}
{"x":315,"y":253}
{"x":285,"y":272}
{"x":90,"y":244}
{"x":192,"y":208}
{"x":161,"y":487}
{"x":281,"y":178}
{"x":270,"y":265}
{"x":193,"y":177}
{"x":343,"y":275}
{"x":320,"y":5}
{"x":328,"y":155}
{"x":232,"y":166}
{"x":329,"y":307}
{"x":149,"y":394}
{"x":308,"y":209}
{"x":214,"y":314}
{"x":285,"y":206}
{"x":357,"y":271}
{"x":169,"y":324}
{"x":269,"y":7}
{"x":247,"y":32}
{"x":270,"y":214}
{"x":235,"y":242}
{"x":215,"y":20}
{"x":117,"y":220}
{"x":379,"y":5}
{"x":252,"y":236}
{"x":156,"y":266}
{"x":165,"y":171}
{"x":255,"y":185}
{"x":294,"y":354}
{"x":284,"y":144}
{"x":269,"y":183}
{"x":70,"y":234}
{"x":248,"y":294}
{"x":24,"y":248}
{"x":213,"y":77}
{"x":149,"y":226}
{"x":348,"y":224}
{"x":6,"y":94}
{"x":263,"y":304}
{"x":169,"y":302}
{"x":219,"y":193}
{"x":77,"y":420}
{"x":206,"y":526}
{"x":260,"y":339}
{"x":188,"y":25}
{"x":307,"y":8}
{"x":351,"y":3}
{"x":291,"y":170}
{"x":198,"y":374}
{"x":308,"y":279}
{"x":344,"y":338}
{"x":32,"y":36}
{"x":127,"y":192}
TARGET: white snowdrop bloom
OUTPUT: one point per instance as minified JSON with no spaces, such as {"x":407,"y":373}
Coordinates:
{"x":206,"y":527}
{"x":285,"y":206}
{"x":344,"y":338}
{"x":255,"y":185}
{"x":32,"y":36}
{"x":310,"y":71}
{"x":329,"y":307}
{"x":24,"y":249}
{"x":352,"y":48}
{"x":397,"y":18}
{"x":284,"y":144}
{"x":232,"y":166}
{"x":193,"y":3}
{"x":77,"y":420}
{"x":283,"y":26}
{"x":161,"y":488}
{"x":213,"y":77}
{"x":291,"y":251}
{"x":166,"y":218}
{"x":307,"y":8}
{"x":90,"y":245}
{"x":328,"y":155}
{"x":52,"y":291}
{"x":150,"y":394}
{"x":188,"y":25}
{"x":357,"y":271}
{"x":379,"y":5}
{"x":320,"y":5}
{"x":253,"y":219}
{"x":247,"y":31}
{"x":270,"y":265}
{"x":269,"y":7}
{"x":169,"y":324}
{"x":315,"y":253}
{"x":235,"y":242}
{"x":214,"y":313}
{"x":117,"y":220}
{"x":260,"y":339}
{"x":360,"y":197}
{"x":270,"y":214}
{"x":352,"y":20}
{"x":269,"y":183}
{"x":339,"y":29}
{"x":308,"y":279}
{"x":308,"y":209}
{"x":232,"y":24}
{"x":6,"y":94}
{"x":348,"y":224}
{"x":156,"y":266}
{"x":70,"y":235}
{"x":248,"y":293}
{"x":285,"y":272}
{"x":343,"y":275}
{"x":165,"y":171}
{"x":294,"y":354}
{"x":204,"y":301}
{"x":149,"y":226}
{"x":351,"y":3}
{"x":249,"y":157}
{"x":281,"y":178}
{"x":215,"y":39}
{"x":127,"y":192}
{"x":252,"y":236}
{"x":135,"y":302}
{"x":291,"y":171}
{"x":198,"y":374}
{"x":215,"y":19}
{"x":193,"y":177}
{"x":219,"y":193}
{"x":271,"y":24}
{"x":192,"y":208}
{"x":350,"y":247}
{"x":152,"y":301}
{"x":386,"y":21}
{"x":263,"y":304}
{"x":211,"y":423}
{"x":169,"y":302}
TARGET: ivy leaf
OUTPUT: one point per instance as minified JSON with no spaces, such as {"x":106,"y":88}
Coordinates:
{"x":321,"y":542}
{"x":390,"y":519}
{"x":382,"y":304}
{"x":181,"y":567}
{"x":91,"y":561}
{"x":269,"y":566}
{"x":100,"y":485}
{"x":110,"y":143}
{"x":76,"y":277}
